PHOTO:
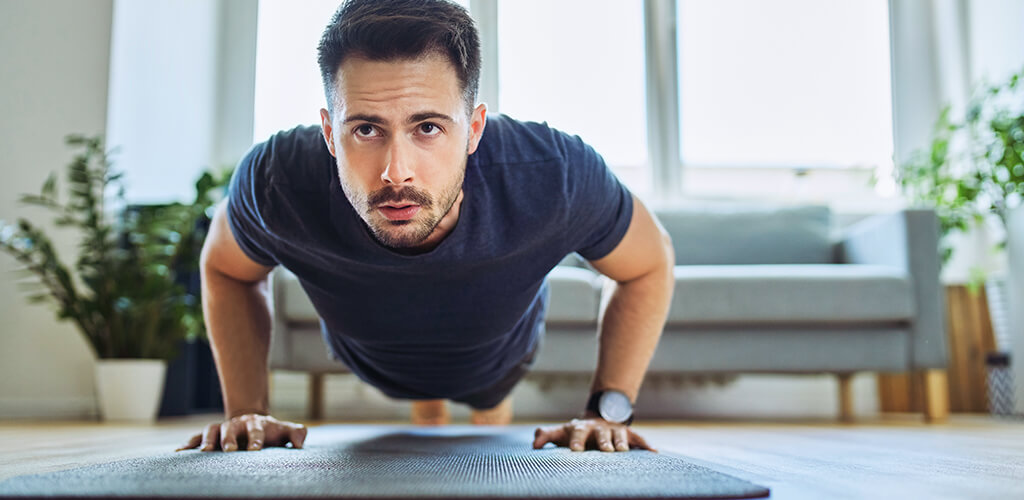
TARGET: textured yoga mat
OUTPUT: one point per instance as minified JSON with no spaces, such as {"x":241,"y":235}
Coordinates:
{"x":362,"y":461}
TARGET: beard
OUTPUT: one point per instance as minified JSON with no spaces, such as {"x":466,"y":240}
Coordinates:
{"x":404,"y":234}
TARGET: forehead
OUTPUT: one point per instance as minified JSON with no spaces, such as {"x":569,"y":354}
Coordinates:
{"x":396,"y":86}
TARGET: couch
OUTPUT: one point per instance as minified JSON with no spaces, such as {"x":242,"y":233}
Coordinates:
{"x":760,"y":288}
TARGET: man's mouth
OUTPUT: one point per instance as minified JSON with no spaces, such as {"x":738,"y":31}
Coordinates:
{"x":399,"y":211}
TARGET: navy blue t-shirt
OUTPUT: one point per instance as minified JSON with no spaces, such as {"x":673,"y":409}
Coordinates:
{"x":454,"y":320}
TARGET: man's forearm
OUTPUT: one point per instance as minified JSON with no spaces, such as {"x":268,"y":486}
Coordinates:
{"x":238,"y":322}
{"x":630,"y":329}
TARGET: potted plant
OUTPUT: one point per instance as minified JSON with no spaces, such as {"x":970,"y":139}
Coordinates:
{"x":124,"y":292}
{"x":192,"y":381}
{"x":973,"y":170}
{"x":973,"y":173}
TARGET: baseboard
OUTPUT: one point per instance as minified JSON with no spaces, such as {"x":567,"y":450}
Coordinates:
{"x":68,"y":408}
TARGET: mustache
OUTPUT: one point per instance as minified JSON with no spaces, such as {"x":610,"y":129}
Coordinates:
{"x":407,"y":193}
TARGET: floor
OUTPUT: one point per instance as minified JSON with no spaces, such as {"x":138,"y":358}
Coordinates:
{"x":894,"y":456}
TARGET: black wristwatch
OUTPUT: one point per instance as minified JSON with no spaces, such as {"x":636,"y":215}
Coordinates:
{"x":611,"y":405}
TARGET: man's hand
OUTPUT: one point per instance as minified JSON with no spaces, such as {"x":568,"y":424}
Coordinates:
{"x":252,"y":430}
{"x":590,"y":433}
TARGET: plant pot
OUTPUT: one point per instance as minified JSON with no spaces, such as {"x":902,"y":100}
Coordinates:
{"x":130,"y":389}
{"x":1015,"y":297}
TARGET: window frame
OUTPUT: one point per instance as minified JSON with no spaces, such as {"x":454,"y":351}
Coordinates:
{"x":665,"y":163}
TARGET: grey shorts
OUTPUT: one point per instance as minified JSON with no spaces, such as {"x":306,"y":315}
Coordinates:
{"x":495,"y":394}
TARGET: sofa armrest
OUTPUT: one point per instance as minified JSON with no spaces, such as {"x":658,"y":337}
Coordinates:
{"x":280,"y":353}
{"x":907,"y":239}
{"x":575,"y":295}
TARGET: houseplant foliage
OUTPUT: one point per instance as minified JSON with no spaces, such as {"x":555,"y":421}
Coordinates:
{"x":125,"y":291}
{"x":974,"y":167}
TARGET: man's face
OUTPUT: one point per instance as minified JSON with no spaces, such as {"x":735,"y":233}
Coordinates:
{"x":401,"y":136}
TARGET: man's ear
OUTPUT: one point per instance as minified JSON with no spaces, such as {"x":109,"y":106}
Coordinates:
{"x":477,"y":121}
{"x":325,"y":127}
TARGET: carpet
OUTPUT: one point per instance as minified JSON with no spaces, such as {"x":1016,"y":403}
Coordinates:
{"x":365,"y":461}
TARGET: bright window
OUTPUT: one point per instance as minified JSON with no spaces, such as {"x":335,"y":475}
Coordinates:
{"x":289,"y":90}
{"x":579,"y":65}
{"x":791,"y":83}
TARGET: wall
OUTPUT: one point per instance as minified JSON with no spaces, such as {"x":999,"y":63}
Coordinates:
{"x":55,"y":56}
{"x":181,"y":92}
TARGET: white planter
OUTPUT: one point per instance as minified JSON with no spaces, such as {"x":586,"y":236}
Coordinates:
{"x":130,"y":389}
{"x":1015,"y":296}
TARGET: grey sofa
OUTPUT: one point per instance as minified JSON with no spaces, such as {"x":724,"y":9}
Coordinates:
{"x":759,"y":289}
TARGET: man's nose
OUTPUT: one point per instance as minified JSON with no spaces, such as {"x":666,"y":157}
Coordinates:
{"x":398,"y":169}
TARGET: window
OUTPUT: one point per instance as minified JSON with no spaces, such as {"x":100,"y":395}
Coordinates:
{"x":579,"y":65}
{"x":787,"y":83}
{"x":289,"y":91}
{"x":771,"y":87}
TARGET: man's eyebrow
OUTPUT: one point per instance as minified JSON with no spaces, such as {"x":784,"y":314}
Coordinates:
{"x":416,"y":118}
{"x":430,"y":115}
{"x":365,"y":118}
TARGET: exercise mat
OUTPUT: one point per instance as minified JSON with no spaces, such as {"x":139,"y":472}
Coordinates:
{"x":391,"y":462}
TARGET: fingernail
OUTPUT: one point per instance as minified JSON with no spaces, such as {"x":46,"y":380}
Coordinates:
{"x":255,"y":445}
{"x":230,"y":447}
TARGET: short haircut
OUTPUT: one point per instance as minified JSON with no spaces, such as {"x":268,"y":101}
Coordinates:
{"x":389,"y":30}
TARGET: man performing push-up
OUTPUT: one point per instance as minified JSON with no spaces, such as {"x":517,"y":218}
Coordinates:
{"x":422,"y":231}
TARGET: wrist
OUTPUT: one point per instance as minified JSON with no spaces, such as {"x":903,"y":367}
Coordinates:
{"x":245,"y":411}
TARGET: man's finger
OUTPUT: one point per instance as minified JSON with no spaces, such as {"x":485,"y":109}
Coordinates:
{"x":228,"y":440}
{"x":604,"y":438}
{"x":211,"y":438}
{"x":635,"y":438}
{"x":621,"y":438}
{"x":543,"y":436}
{"x":254,"y":430}
{"x":578,"y":440}
{"x":192,"y":442}
{"x":297,"y":435}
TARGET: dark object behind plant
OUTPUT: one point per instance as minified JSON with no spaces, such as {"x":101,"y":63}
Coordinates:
{"x":125,"y":291}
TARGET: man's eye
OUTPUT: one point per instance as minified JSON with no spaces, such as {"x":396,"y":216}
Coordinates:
{"x":366,"y":131}
{"x":429,"y":129}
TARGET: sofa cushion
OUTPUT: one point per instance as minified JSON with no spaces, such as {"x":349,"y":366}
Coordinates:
{"x":787,"y":293}
{"x":740,"y":233}
{"x":292,"y":299}
{"x":575,"y":295}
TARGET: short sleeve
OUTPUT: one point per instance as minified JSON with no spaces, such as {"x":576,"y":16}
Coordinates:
{"x":245,"y":197}
{"x":600,"y":206}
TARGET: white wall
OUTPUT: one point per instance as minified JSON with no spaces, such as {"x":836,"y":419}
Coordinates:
{"x":181,"y":92}
{"x":55,"y":57}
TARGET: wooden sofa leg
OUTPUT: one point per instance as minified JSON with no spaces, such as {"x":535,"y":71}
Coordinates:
{"x":936,"y":395}
{"x":845,"y":397}
{"x":315,"y":404}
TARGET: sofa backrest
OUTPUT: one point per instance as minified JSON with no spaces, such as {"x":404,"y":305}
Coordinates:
{"x":717,"y":233}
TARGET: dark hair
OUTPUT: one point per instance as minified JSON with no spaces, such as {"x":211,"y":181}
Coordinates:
{"x":386,"y":30}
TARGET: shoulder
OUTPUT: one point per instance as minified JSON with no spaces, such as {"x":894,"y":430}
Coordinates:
{"x":284,"y":181}
{"x":510,"y":141}
{"x":290,"y":159}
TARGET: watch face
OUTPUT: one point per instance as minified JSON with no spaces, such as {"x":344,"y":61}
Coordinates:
{"x":614,"y":406}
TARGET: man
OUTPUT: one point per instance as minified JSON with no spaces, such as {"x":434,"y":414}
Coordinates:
{"x":423,"y":241}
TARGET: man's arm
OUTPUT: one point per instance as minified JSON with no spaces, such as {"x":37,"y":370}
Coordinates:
{"x":238,"y":321}
{"x":642,"y":267}
{"x":237,"y":318}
